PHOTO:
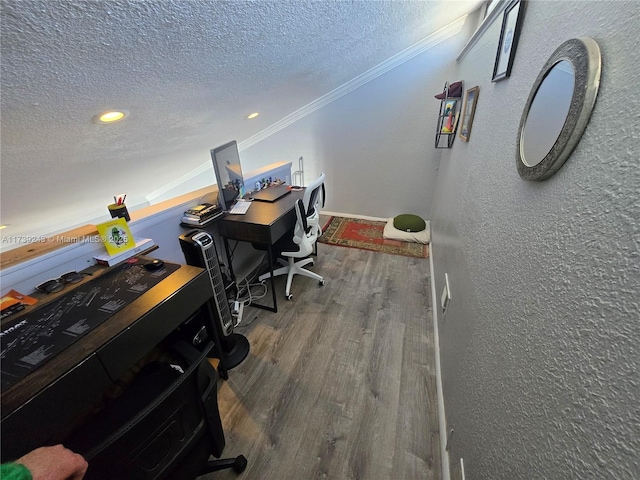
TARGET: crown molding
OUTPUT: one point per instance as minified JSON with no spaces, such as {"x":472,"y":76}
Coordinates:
{"x":408,"y":53}
{"x":405,"y":55}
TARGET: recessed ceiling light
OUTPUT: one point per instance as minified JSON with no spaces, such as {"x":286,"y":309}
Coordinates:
{"x":253,"y":115}
{"x":3,"y":226}
{"x":111,"y":116}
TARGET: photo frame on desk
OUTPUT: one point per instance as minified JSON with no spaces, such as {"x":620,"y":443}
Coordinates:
{"x":508,"y":43}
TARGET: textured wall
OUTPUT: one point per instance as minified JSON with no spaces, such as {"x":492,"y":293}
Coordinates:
{"x":540,"y":344}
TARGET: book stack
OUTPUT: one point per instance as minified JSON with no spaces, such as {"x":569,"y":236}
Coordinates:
{"x":202,"y":214}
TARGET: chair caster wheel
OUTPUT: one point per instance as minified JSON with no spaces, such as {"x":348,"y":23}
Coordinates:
{"x":240,"y":464}
{"x":290,"y":296}
{"x":321,"y":283}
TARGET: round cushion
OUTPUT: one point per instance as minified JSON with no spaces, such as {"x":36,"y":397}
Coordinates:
{"x":409,"y":223}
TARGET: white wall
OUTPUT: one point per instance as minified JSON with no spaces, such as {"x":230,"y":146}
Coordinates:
{"x":539,"y":346}
{"x":375,"y":144}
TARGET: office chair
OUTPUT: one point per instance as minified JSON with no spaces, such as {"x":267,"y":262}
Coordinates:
{"x":302,"y":241}
{"x":165,"y":426}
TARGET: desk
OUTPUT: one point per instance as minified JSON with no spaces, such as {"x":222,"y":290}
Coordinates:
{"x":264,"y":224}
{"x":42,"y":405}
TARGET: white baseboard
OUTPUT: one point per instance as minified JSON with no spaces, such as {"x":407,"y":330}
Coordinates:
{"x":442,"y":420}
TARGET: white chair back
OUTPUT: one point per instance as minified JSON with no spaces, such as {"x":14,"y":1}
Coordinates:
{"x":313,"y":200}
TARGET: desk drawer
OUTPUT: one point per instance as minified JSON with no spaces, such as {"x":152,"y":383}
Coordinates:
{"x":46,"y":417}
{"x":130,"y":345}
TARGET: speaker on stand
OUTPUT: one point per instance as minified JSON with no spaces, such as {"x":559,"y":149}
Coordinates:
{"x":199,"y":250}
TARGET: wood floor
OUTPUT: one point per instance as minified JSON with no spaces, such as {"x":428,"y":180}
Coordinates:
{"x":340,"y":383}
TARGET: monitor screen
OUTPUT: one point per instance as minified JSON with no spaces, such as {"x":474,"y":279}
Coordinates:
{"x":226,"y":163}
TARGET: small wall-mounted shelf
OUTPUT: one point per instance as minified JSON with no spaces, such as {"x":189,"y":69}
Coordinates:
{"x":448,"y":115}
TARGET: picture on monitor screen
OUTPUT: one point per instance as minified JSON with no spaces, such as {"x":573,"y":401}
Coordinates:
{"x":226,"y":164}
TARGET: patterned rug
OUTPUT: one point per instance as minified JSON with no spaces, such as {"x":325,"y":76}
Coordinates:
{"x":367,"y":235}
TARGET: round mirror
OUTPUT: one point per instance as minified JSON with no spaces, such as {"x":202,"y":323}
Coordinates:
{"x":548,"y":113}
{"x":558,"y":108}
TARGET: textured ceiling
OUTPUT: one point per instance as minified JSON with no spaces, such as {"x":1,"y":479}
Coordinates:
{"x":189,"y":72}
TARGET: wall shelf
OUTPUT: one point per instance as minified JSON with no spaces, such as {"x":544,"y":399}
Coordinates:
{"x":448,"y":116}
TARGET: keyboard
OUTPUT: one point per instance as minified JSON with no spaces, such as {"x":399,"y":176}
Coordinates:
{"x":240,"y":208}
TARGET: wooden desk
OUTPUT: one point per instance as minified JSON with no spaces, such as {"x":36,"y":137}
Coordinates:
{"x":263,"y":224}
{"x":40,"y":406}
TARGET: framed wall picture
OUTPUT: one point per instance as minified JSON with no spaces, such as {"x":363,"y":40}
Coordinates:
{"x":468,"y":111}
{"x":509,"y":33}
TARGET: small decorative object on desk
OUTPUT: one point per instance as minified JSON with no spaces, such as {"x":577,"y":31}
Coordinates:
{"x":118,"y":209}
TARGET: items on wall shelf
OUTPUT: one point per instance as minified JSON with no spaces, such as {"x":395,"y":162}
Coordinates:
{"x":450,"y":105}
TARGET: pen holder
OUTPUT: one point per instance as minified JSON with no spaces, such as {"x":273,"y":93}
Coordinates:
{"x":119,"y":211}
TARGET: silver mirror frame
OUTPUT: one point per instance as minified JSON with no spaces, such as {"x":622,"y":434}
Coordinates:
{"x":584,"y":54}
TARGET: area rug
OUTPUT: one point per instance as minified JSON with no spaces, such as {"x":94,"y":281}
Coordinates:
{"x":367,"y":235}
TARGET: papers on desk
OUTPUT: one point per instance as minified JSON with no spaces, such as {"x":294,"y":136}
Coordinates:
{"x":240,"y":208}
{"x":201,"y":215}
{"x":197,"y":222}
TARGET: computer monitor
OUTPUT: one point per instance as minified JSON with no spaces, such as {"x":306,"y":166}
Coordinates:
{"x":226,"y":164}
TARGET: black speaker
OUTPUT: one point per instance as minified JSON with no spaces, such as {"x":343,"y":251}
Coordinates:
{"x":199,"y":250}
